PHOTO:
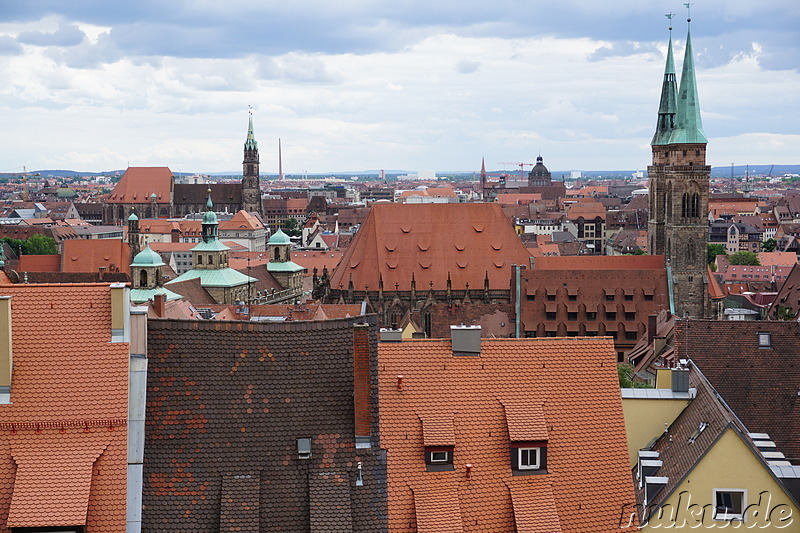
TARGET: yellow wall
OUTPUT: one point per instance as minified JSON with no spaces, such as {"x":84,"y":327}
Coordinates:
{"x":408,"y":331}
{"x":730,"y":464}
{"x":645,"y":419}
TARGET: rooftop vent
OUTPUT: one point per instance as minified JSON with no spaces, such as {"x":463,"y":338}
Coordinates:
{"x":466,"y":340}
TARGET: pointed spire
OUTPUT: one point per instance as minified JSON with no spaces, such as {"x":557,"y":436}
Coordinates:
{"x":669,"y":100}
{"x":250,"y":143}
{"x":688,"y":127}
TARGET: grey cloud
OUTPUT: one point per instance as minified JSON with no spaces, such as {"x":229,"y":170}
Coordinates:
{"x":65,"y":35}
{"x":9,"y":46}
{"x":468,"y":66}
{"x":87,"y":55}
{"x":296,"y":67}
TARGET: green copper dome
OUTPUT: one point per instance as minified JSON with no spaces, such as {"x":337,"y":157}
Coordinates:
{"x":147,"y":258}
{"x":280,"y":238}
{"x":133,"y":216}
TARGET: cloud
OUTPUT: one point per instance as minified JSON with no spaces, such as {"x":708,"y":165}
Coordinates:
{"x":65,"y":35}
{"x":623,"y":48}
{"x":467,"y":66}
{"x":9,"y":45}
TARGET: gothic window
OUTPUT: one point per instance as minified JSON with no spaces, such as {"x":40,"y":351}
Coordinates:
{"x":695,"y":205}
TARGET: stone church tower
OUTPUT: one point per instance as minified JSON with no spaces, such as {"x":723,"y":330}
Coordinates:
{"x":251,"y":189}
{"x":679,"y":177}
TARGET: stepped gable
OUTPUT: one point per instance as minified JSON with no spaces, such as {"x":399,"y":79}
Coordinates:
{"x":227,"y":402}
{"x":430,"y":242}
{"x":510,"y":393}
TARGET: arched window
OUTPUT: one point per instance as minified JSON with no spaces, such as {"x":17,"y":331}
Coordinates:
{"x":695,"y":205}
{"x":143,"y":278}
{"x":277,"y":253}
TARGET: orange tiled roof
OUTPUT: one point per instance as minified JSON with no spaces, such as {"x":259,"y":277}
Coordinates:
{"x":587,"y":455}
{"x":431,"y":241}
{"x":63,"y":439}
{"x":89,"y":255}
{"x":242,"y":219}
{"x":39,"y":263}
{"x":138,"y":183}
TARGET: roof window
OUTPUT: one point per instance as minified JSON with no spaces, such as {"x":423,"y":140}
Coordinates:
{"x":764,"y":340}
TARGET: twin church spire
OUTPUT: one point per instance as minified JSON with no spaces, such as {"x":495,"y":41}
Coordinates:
{"x":679,"y":110}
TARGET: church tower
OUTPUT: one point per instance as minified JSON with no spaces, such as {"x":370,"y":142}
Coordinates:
{"x":251,"y":189}
{"x":679,"y":178}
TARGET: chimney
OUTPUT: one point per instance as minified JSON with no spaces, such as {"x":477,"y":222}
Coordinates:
{"x":680,"y":380}
{"x":466,"y":340}
{"x":6,"y":359}
{"x":652,"y":324}
{"x":362,"y":386}
{"x":391,"y":334}
{"x":159,"y":304}
{"x":120,"y":313}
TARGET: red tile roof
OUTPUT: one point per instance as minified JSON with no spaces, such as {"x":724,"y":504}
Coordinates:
{"x":89,"y":255}
{"x":39,"y":263}
{"x":587,"y":457}
{"x":601,"y":262}
{"x":63,"y":445}
{"x":138,"y":183}
{"x":431,"y":241}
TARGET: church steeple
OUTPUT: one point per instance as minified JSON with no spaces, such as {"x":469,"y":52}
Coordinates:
{"x":669,"y":102}
{"x":688,"y":127}
{"x":251,"y":187}
{"x":210,"y":224}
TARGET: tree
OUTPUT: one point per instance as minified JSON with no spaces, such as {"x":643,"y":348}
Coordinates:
{"x":625,"y":373}
{"x":769,"y":245}
{"x":291,"y":227}
{"x":784,"y":313}
{"x":714,"y":250}
{"x":39,"y":244}
{"x":744,"y":258}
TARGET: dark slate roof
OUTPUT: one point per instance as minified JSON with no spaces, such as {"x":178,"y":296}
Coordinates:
{"x":226,"y":403}
{"x":197,"y":193}
{"x":759,"y":384}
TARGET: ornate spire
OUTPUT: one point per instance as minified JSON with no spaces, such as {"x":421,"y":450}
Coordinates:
{"x":688,"y":127}
{"x":669,"y":100}
{"x":250,"y":143}
{"x":209,"y":221}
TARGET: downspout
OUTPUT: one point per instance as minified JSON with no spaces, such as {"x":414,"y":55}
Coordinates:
{"x":517,"y":293}
{"x":671,"y":290}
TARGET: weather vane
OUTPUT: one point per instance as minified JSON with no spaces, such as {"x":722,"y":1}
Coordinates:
{"x":250,"y":109}
{"x":669,"y":16}
{"x":688,"y":6}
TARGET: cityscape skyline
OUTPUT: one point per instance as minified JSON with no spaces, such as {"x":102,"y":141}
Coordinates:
{"x":380,"y":87}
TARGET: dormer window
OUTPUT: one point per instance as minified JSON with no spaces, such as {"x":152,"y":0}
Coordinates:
{"x":438,"y":437}
{"x":529,"y":458}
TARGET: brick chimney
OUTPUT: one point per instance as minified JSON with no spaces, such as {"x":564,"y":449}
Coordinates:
{"x":652,"y":324}
{"x":362,"y":385}
{"x":159,"y":304}
{"x":6,"y":359}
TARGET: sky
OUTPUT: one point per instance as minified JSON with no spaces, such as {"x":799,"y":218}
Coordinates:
{"x":95,"y":85}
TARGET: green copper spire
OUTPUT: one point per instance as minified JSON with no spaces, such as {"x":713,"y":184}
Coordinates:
{"x":669,"y":99}
{"x":688,"y":127}
{"x":250,"y":143}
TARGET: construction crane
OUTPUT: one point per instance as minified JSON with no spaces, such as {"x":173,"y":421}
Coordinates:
{"x":520,"y":165}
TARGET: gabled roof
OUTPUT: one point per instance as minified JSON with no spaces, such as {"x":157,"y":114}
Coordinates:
{"x":138,"y":183}
{"x":63,"y":461}
{"x":431,"y":241}
{"x":760,"y":384}
{"x":484,"y":396}
{"x":39,"y":263}
{"x":241,"y":220}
